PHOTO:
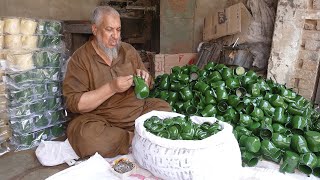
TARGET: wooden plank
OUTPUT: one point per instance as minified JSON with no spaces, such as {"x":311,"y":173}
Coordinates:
{"x":78,"y":28}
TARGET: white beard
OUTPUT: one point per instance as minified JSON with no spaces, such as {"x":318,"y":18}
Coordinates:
{"x":112,"y":53}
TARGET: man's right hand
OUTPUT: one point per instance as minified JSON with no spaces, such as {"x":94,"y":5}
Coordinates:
{"x":122,"y":83}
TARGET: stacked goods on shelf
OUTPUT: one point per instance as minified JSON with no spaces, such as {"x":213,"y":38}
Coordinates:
{"x":5,"y":130}
{"x":32,"y":53}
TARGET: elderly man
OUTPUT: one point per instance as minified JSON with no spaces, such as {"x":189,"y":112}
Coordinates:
{"x":98,"y":88}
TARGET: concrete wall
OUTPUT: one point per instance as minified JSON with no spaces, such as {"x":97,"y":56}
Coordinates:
{"x":181,"y":23}
{"x":49,"y":9}
{"x":182,"y":20}
{"x":295,"y":55}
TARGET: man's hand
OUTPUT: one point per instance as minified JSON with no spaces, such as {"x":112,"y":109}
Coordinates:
{"x":144,"y":75}
{"x":122,"y":83}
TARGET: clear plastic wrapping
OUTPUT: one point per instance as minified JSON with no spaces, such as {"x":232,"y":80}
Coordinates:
{"x":20,"y":62}
{"x":49,"y":27}
{"x":22,"y":79}
{"x":24,"y":61}
{"x":1,"y":41}
{"x":11,"y":25}
{"x":34,"y":76}
{"x":35,"y":108}
{"x":4,"y":119}
{"x":5,"y":133}
{"x":2,"y":87}
{"x":37,"y":122}
{"x":28,"y":26}
{"x":47,"y":59}
{"x":3,"y":102}
{"x":20,"y":96}
{"x":1,"y":26}
{"x":12,"y":41}
{"x":34,"y":93}
{"x":4,"y":148}
{"x":27,"y":141}
{"x":54,"y":88}
{"x":31,"y":104}
{"x":20,"y":111}
{"x":31,"y":42}
{"x":49,"y":41}
{"x":52,"y":74}
{"x":3,"y":54}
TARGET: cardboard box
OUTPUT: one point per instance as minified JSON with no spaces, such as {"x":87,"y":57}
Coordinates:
{"x":162,"y":63}
{"x":232,"y":20}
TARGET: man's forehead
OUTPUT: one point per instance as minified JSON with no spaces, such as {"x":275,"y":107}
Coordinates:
{"x":110,"y":20}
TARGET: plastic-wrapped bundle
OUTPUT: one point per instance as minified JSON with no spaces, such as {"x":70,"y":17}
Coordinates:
{"x":34,"y":107}
{"x":20,"y":62}
{"x":47,"y":104}
{"x":39,"y":91}
{"x":3,"y":54}
{"x":2,"y":88}
{"x":27,"y":141}
{"x":12,"y":41}
{"x":52,"y":74}
{"x":37,"y":122}
{"x":1,"y":26}
{"x":47,"y":59}
{"x":54,"y":88}
{"x":20,"y":96}
{"x":28,"y":26}
{"x":27,"y":60}
{"x":4,"y":147}
{"x":49,"y":27}
{"x":11,"y":25}
{"x":3,"y":102}
{"x":5,"y":130}
{"x":1,"y":78}
{"x":1,"y":42}
{"x":40,"y":96}
{"x":4,"y":120}
{"x":54,"y":103}
{"x":23,"y":79}
{"x":29,"y":42}
{"x":20,"y":111}
{"x":49,"y":41}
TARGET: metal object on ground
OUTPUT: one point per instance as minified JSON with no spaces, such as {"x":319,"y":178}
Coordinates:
{"x":208,"y":52}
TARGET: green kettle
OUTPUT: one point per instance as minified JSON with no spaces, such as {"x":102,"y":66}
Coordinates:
{"x":141,"y":89}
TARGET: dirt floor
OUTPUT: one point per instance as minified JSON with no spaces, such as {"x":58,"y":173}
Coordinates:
{"x":24,"y":165}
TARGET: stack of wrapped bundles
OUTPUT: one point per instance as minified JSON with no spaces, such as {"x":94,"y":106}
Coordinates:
{"x":32,"y":55}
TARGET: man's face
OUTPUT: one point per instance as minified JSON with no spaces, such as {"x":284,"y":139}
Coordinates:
{"x":108,"y":30}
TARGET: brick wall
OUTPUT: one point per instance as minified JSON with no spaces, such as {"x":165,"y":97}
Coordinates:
{"x":304,"y":79}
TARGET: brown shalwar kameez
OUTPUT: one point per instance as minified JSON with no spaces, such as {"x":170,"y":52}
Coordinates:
{"x":105,"y":129}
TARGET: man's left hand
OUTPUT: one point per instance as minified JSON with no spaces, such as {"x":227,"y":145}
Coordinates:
{"x":144,"y":75}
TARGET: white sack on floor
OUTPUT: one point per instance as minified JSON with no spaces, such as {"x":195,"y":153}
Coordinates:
{"x":94,"y":168}
{"x":52,"y":153}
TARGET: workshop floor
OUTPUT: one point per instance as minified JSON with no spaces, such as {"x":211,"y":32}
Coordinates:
{"x":24,"y":165}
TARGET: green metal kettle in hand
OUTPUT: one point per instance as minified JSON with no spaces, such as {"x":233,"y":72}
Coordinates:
{"x":141,"y":89}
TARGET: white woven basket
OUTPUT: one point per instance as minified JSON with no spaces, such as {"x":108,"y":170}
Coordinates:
{"x":216,"y":157}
